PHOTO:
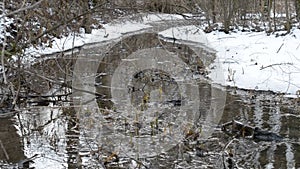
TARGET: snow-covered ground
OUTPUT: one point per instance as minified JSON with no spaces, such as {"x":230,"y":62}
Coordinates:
{"x":257,"y":61}
{"x":250,"y":60}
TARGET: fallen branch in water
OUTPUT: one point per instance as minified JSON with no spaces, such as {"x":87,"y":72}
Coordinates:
{"x":63,"y":84}
{"x":4,"y":150}
{"x":238,"y":129}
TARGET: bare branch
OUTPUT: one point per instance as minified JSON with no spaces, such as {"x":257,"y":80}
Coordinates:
{"x":280,"y":48}
{"x":61,"y":24}
{"x":22,"y":9}
{"x":63,"y":84}
{"x":275,"y":64}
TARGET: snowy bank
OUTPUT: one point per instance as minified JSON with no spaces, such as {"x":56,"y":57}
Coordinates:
{"x":109,"y":32}
{"x":250,"y":60}
{"x":254,"y":60}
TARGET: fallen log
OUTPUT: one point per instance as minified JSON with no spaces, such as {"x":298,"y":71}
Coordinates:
{"x":238,"y":129}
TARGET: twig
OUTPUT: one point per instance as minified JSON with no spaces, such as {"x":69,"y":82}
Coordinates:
{"x":63,"y":84}
{"x":46,"y":96}
{"x":275,"y":64}
{"x":223,"y":153}
{"x":16,"y":96}
{"x":280,"y":47}
{"x":4,"y":150}
{"x":21,"y":9}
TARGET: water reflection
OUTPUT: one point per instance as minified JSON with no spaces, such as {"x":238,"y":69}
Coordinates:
{"x":158,"y":77}
{"x":272,"y":113}
{"x":43,"y":131}
{"x":72,"y":139}
{"x":11,"y":148}
{"x":54,"y":134}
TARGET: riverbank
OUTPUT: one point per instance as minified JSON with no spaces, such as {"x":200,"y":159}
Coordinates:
{"x":250,"y":60}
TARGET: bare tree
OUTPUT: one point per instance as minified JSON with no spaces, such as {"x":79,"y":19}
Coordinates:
{"x":268,"y":7}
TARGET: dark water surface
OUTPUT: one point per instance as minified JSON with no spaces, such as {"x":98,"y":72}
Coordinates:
{"x":58,"y":141}
{"x":50,"y":130}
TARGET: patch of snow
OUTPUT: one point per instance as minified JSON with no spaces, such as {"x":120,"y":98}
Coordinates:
{"x":113,"y":31}
{"x":45,"y":141}
{"x":160,"y":17}
{"x":58,"y":45}
{"x":186,"y":33}
{"x":256,"y":61}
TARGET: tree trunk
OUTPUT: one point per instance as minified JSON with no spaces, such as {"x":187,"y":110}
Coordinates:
{"x":269,"y":7}
{"x":274,"y":14}
{"x":87,"y":19}
{"x":288,"y":22}
{"x":214,"y":11}
{"x":262,"y":10}
{"x":228,"y":12}
{"x":297,"y":7}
